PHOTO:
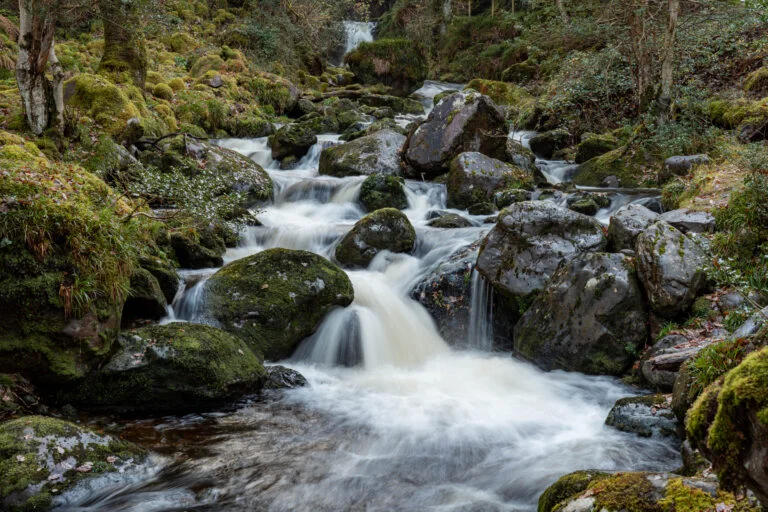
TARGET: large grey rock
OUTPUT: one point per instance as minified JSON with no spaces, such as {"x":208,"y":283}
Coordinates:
{"x":293,"y":140}
{"x":681,"y":165}
{"x":671,"y":268}
{"x":474,"y":178}
{"x":591,"y":317}
{"x":529,"y":242}
{"x":689,"y":221}
{"x":661,"y":365}
{"x":546,"y":144}
{"x":383,"y":230}
{"x":524,"y":158}
{"x":378,"y":153}
{"x":646,"y":416}
{"x":627,"y":224}
{"x":463,"y":122}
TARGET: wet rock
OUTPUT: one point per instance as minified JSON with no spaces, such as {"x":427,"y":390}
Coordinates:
{"x":378,"y":153}
{"x":627,"y":224}
{"x":588,"y":204}
{"x":661,"y":365}
{"x":146,"y":300}
{"x":172,"y":368}
{"x":671,"y":268}
{"x":280,"y":377}
{"x":383,"y":191}
{"x":166,"y":275}
{"x":510,"y":196}
{"x":689,"y":221}
{"x":276,"y":298}
{"x":382,"y":230}
{"x":450,"y":221}
{"x":753,"y":324}
{"x":42,"y":458}
{"x":544,"y":145}
{"x":463,"y":122}
{"x":652,"y":203}
{"x":592,"y":146}
{"x":681,"y":166}
{"x":17,"y":396}
{"x":645,"y":416}
{"x":529,"y":242}
{"x":192,"y":254}
{"x":524,"y":158}
{"x":292,"y":140}
{"x":590,"y":317}
{"x":393,"y":103}
{"x":482,"y":209}
{"x":474,"y":178}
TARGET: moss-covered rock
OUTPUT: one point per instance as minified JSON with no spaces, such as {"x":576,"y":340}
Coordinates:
{"x":628,"y":169}
{"x":102,"y":101}
{"x":546,"y":144}
{"x":172,"y":368}
{"x":17,"y":396}
{"x":503,"y":93}
{"x":475,"y":178}
{"x":748,"y":118}
{"x":41,"y":458}
{"x":450,"y":221}
{"x":567,"y":486}
{"x":382,"y":191}
{"x":396,"y":104}
{"x":146,"y":300}
{"x":510,"y":196}
{"x":192,"y":254}
{"x":165,"y":274}
{"x":397,"y":63}
{"x":378,"y":153}
{"x":593,"y":146}
{"x":382,"y":230}
{"x":645,"y":416}
{"x":292,"y":140}
{"x":163,"y":91}
{"x":757,"y":82}
{"x":729,"y":424}
{"x":276,"y":298}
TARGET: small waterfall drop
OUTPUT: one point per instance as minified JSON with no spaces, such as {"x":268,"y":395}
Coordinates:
{"x":357,"y":32}
{"x":480,"y":334}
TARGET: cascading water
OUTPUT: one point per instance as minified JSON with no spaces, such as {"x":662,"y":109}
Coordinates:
{"x":394,"y":419}
{"x":357,"y":32}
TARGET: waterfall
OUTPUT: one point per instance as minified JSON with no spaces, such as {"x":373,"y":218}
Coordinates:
{"x":357,"y":32}
{"x":480,"y":334}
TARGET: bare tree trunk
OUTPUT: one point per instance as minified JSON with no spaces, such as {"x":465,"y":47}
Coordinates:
{"x":664,"y":101}
{"x":493,"y":8}
{"x":563,"y":12}
{"x":124,"y":52}
{"x":641,"y":52}
{"x":43,"y":100}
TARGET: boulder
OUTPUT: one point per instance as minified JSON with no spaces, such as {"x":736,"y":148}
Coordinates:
{"x":727,"y":423}
{"x":383,"y":191}
{"x":378,"y":153}
{"x":524,"y":158}
{"x":463,"y":122}
{"x":166,"y":275}
{"x":529,"y":242}
{"x":146,"y":300}
{"x":588,"y":203}
{"x":690,"y":221}
{"x":590,"y":317}
{"x":280,"y":377}
{"x":383,"y":230}
{"x":395,"y":104}
{"x":486,"y":208}
{"x":42,"y":458}
{"x":593,"y":146}
{"x":176,"y":367}
{"x":17,"y":396}
{"x":510,"y":196}
{"x":545,"y":145}
{"x":450,"y":221}
{"x":661,"y":365}
{"x":192,"y":254}
{"x":293,"y":140}
{"x":671,"y":268}
{"x":646,"y":416}
{"x":593,"y":491}
{"x":276,"y":298}
{"x":681,"y":166}
{"x":617,"y":168}
{"x":627,"y":224}
{"x":475,"y":178}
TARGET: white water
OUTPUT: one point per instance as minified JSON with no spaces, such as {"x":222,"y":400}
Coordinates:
{"x":358,"y":32}
{"x":413,"y":425}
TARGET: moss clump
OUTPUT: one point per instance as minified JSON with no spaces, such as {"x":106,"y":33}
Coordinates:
{"x":383,"y":230}
{"x":276,"y":298}
{"x":41,"y":457}
{"x":630,"y":492}
{"x":102,"y":101}
{"x":163,"y":91}
{"x":594,"y":146}
{"x":180,"y":42}
{"x":398,"y":63}
{"x":565,"y":487}
{"x":174,"y":367}
{"x":206,"y":63}
{"x":380,"y":191}
{"x":177,"y":84}
{"x":757,"y":82}
{"x":502,"y":93}
{"x":730,"y":420}
{"x":629,"y":168}
{"x":733,"y":114}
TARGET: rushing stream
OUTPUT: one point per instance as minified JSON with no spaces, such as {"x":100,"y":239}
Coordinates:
{"x":416,"y":426}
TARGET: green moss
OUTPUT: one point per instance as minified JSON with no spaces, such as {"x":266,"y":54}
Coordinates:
{"x":103,"y":101}
{"x":594,"y":146}
{"x":398,"y":63}
{"x":180,"y":42}
{"x":177,"y":84}
{"x":385,"y":229}
{"x":380,"y":191}
{"x":206,"y":63}
{"x":757,"y":82}
{"x":566,"y":487}
{"x":629,"y":492}
{"x":502,"y":93}
{"x":628,"y":168}
{"x":163,"y":91}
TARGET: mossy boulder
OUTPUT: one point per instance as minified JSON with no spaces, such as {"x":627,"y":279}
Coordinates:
{"x":450,"y":221}
{"x":503,"y":93}
{"x":646,"y":416}
{"x":757,"y":82}
{"x":615,"y":168}
{"x":529,"y":242}
{"x":293,"y":140}
{"x":146,"y":300}
{"x":593,"y":491}
{"x":475,"y":178}
{"x":593,"y":146}
{"x":396,"y":63}
{"x":68,"y":249}
{"x":276,"y":298}
{"x":383,"y":191}
{"x":165,"y":273}
{"x":396,"y":104}
{"x":102,"y":101}
{"x":163,"y":91}
{"x":383,"y":230}
{"x":590,"y":317}
{"x":42,"y":458}
{"x":523,"y":157}
{"x":627,"y":224}
{"x":672,"y":269}
{"x":729,"y":424}
{"x":378,"y":153}
{"x":176,"y":367}
{"x":18,"y":396}
{"x":522,"y":72}
{"x":463,"y":122}
{"x":748,"y":118}
{"x":510,"y":196}
{"x":192,"y":253}
{"x":546,"y":144}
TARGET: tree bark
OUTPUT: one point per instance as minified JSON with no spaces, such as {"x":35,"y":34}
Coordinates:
{"x":43,"y":100}
{"x":664,"y":101}
{"x":124,"y":52}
